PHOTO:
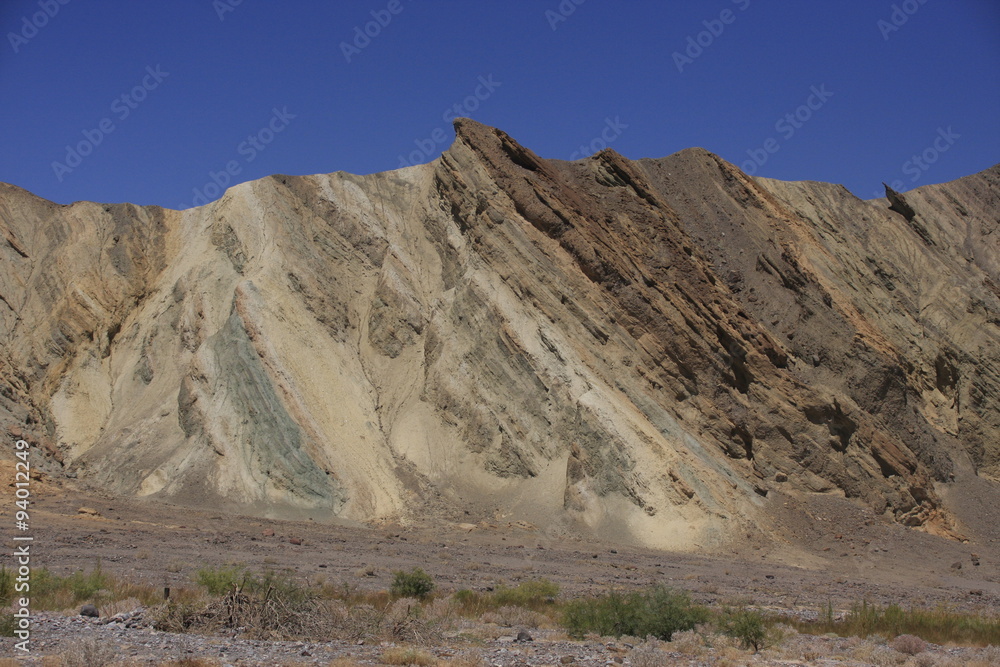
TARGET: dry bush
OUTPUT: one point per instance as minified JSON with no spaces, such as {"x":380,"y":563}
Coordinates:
{"x":883,"y":656}
{"x":688,"y":642}
{"x":176,"y":566}
{"x":402,"y":620}
{"x":441,"y":611}
{"x":119,"y":607}
{"x":986,"y":657}
{"x":89,"y":653}
{"x":191,"y":662}
{"x":909,"y":644}
{"x":276,"y":608}
{"x":649,"y":653}
{"x":406,"y":656}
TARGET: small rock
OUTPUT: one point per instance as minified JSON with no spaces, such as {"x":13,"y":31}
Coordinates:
{"x":88,"y":511}
{"x":567,"y":660}
{"x":975,"y":559}
{"x":956,"y":565}
{"x":780,"y":477}
{"x":268,"y":533}
{"x":294,"y":540}
{"x":523,"y":636}
{"x":90,"y":611}
{"x":976,"y":591}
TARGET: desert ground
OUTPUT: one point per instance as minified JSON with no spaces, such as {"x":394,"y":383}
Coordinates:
{"x":849,"y":556}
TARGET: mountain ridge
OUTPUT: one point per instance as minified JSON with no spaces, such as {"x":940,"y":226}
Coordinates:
{"x":647,"y":350}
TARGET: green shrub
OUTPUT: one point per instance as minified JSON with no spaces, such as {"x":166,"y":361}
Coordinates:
{"x":221,"y":580}
{"x":748,"y":626}
{"x":413,"y":584}
{"x":659,"y":612}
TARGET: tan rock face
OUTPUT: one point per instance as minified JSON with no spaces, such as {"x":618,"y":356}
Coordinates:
{"x":644,"y":349}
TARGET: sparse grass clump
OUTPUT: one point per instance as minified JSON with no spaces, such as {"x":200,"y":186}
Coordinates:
{"x":657,"y":612}
{"x":6,"y":585}
{"x":532,"y":594}
{"x":8,"y":624}
{"x":406,"y":656}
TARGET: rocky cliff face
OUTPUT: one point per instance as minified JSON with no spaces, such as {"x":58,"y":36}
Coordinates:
{"x":644,"y":349}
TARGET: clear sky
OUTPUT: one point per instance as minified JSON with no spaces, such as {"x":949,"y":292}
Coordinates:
{"x":150,"y":102}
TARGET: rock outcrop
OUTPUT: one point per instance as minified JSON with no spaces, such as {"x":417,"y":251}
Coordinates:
{"x":644,"y":349}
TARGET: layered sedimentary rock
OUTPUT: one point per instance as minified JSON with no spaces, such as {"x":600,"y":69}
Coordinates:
{"x":642,"y":349}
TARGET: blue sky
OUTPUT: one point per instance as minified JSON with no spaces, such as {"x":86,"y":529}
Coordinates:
{"x":156,"y":102}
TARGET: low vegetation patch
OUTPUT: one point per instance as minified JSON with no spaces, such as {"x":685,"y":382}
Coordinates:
{"x":283,"y":605}
{"x":538,"y":595}
{"x":52,"y":592}
{"x":658,"y":612}
{"x":940,"y":626}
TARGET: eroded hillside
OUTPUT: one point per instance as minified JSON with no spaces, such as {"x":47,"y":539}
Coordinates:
{"x":641,"y":349}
